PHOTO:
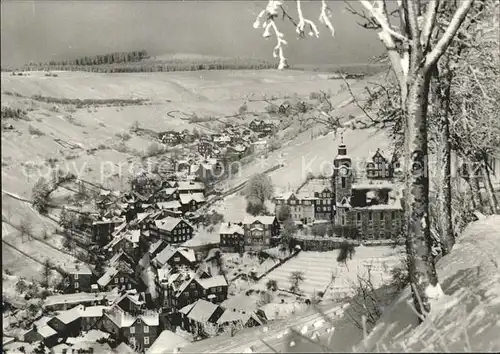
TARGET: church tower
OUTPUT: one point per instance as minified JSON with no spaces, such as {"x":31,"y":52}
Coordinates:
{"x":342,"y":173}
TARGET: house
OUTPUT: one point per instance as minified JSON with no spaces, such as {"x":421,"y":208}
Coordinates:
{"x":379,"y":167}
{"x":186,"y":187}
{"x":103,"y":229}
{"x":173,"y":206}
{"x":131,"y":302}
{"x":127,"y":242}
{"x":196,"y":316}
{"x":321,"y":189}
{"x":209,"y":171}
{"x":241,"y":318}
{"x":172,"y":230}
{"x":184,"y":287}
{"x":216,"y":288}
{"x":68,"y":322}
{"x":301,"y":206}
{"x":222,"y":140}
{"x":175,"y":257}
{"x":259,"y":230}
{"x":139,"y":330}
{"x":205,"y":147}
{"x":90,"y":315}
{"x":232,"y":237}
{"x":121,"y":257}
{"x":167,"y":342}
{"x":41,"y":331}
{"x":79,"y":279}
{"x":374,"y":210}
{"x":191,"y":202}
{"x":256,"y":125}
{"x":164,"y":195}
{"x":171,"y":138}
{"x":120,"y":276}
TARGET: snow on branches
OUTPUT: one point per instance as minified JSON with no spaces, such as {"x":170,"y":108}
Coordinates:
{"x":266,"y":20}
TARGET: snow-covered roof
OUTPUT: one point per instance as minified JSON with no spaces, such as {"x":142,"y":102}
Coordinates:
{"x":111,"y":272}
{"x":78,"y":269}
{"x":123,"y":319}
{"x":78,"y":298}
{"x":264,"y":219}
{"x":71,"y":315}
{"x":124,"y":348}
{"x":154,"y":246}
{"x":395,"y":205}
{"x":187,"y":198}
{"x":168,"y":223}
{"x":212,"y":282}
{"x":230,"y":228}
{"x":172,"y":204}
{"x":91,"y":336}
{"x":166,"y":342}
{"x":93,"y":311}
{"x":184,"y":185}
{"x":168,"y":252}
{"x":132,"y":236}
{"x":201,"y":311}
{"x":234,"y":315}
{"x":46,"y":331}
{"x":119,"y":256}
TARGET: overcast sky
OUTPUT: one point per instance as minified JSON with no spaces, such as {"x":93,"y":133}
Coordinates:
{"x":46,"y":30}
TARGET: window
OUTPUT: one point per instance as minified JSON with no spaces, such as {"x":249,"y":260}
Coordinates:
{"x":146,"y":329}
{"x":76,"y":276}
{"x":146,"y":340}
{"x":370,"y":216}
{"x":219,"y":289}
{"x":116,"y":280}
{"x":358,"y":216}
{"x":132,"y":330}
{"x":122,"y":280}
{"x":192,"y":285}
{"x":177,"y":259}
{"x":343,"y":182}
{"x":382,"y":216}
{"x":77,"y":285}
{"x":343,"y":220}
{"x":393,"y":215}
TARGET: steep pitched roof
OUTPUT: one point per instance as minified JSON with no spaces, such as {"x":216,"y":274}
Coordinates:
{"x":187,"y":198}
{"x":169,"y":251}
{"x":264,"y":219}
{"x":212,"y":282}
{"x":168,"y":223}
{"x":234,"y":315}
{"x":200,"y":311}
{"x":230,"y":228}
{"x":112,"y":271}
{"x":166,"y":342}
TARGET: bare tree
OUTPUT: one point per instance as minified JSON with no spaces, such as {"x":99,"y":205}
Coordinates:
{"x":259,"y":188}
{"x":413,"y":55}
{"x":296,"y":278}
{"x":26,"y":228}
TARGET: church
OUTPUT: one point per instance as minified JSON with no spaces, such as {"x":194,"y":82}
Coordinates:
{"x":368,"y":208}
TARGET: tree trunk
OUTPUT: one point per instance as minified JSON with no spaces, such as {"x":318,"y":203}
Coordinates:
{"x":419,"y":244}
{"x":443,"y":145}
{"x":490,"y":193}
{"x":473,"y":180}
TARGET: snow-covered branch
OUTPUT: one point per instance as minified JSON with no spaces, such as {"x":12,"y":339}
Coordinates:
{"x":303,"y":21}
{"x":449,"y":34}
{"x":266,"y":19}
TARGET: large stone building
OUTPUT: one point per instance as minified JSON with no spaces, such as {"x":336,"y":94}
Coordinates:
{"x":301,"y":206}
{"x":373,"y":208}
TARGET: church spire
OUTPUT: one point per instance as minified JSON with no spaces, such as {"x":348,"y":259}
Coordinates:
{"x":342,"y":150}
